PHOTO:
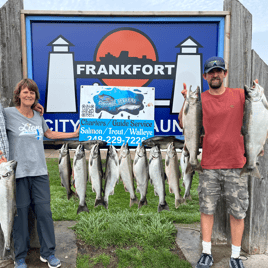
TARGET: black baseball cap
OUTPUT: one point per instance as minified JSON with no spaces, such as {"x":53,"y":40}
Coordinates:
{"x":214,"y":62}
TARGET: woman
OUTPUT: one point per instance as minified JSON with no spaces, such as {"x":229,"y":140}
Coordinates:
{"x":25,"y":130}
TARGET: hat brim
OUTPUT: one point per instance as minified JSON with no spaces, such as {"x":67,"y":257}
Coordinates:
{"x":213,"y":67}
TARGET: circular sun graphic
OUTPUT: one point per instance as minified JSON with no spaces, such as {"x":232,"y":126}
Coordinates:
{"x":130,"y":42}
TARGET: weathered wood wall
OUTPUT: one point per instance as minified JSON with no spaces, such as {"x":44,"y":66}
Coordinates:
{"x":255,"y":239}
{"x":244,"y":67}
{"x":10,"y":49}
{"x":10,"y":62}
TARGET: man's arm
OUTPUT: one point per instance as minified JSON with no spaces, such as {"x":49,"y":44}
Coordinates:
{"x":39,"y":108}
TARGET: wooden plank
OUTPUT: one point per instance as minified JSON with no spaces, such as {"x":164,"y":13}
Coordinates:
{"x":10,"y":63}
{"x":127,"y":13}
{"x":255,"y":239}
{"x":240,"y":44}
{"x":24,"y":47}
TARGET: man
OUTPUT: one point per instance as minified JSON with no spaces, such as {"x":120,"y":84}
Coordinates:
{"x":222,"y":159}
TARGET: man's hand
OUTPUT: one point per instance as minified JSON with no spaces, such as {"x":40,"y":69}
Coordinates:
{"x":39,"y":108}
{"x":2,"y":158}
{"x":184,"y":91}
{"x":77,"y":131}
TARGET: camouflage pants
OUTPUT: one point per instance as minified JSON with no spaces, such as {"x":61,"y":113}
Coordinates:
{"x":227,"y":182}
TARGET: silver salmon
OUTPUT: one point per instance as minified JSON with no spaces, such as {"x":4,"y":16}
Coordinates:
{"x":192,"y":128}
{"x":141,"y":173}
{"x":255,"y":127}
{"x":8,"y":201}
{"x":187,"y":177}
{"x":96,"y":174}
{"x":173,"y":173}
{"x":65,"y":169}
{"x":156,"y":173}
{"x":80,"y":177}
{"x":126,"y":173}
{"x":111,"y":173}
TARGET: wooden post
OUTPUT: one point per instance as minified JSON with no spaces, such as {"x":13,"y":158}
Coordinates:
{"x":10,"y":63}
{"x":255,"y":239}
{"x":10,"y":75}
{"x":239,"y":69}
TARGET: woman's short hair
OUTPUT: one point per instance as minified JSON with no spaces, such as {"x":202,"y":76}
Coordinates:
{"x":31,"y":85}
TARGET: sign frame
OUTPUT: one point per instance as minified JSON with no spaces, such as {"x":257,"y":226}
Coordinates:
{"x":29,"y":16}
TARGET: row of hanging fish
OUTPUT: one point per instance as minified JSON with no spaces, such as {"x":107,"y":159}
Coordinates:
{"x":119,"y":165}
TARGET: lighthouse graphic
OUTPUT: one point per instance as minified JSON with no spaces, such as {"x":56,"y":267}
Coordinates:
{"x":188,"y":70}
{"x":61,"y":89}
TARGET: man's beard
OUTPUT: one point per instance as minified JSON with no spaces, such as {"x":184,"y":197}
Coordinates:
{"x":215,"y":86}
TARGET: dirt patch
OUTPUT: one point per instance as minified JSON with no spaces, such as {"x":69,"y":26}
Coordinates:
{"x":93,"y":252}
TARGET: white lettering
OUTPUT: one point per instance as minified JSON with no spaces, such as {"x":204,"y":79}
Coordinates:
{"x":176,"y":125}
{"x":80,"y":67}
{"x":102,"y":70}
{"x":90,"y":69}
{"x":125,"y":69}
{"x":64,"y":124}
{"x":114,"y":69}
{"x":136,"y":68}
{"x":162,"y":126}
{"x":156,"y":127}
{"x":169,"y":67}
{"x":50,"y":122}
{"x":159,"y":69}
{"x":150,"y":69}
{"x":75,"y":125}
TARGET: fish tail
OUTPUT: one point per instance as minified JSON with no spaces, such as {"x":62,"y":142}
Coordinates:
{"x":199,"y":168}
{"x":82,"y":208}
{"x":255,"y":173}
{"x":142,"y":202}
{"x":133,"y":201}
{"x":99,"y":202}
{"x":244,"y":170}
{"x":162,"y":207}
{"x":69,"y":195}
{"x":105,"y":204}
{"x":178,"y":202}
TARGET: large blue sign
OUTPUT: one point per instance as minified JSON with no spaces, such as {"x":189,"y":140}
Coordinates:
{"x":64,"y":53}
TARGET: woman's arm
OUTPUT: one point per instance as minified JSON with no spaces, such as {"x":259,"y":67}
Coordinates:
{"x":61,"y":135}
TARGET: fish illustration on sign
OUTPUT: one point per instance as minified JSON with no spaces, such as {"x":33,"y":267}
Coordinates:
{"x":117,"y":100}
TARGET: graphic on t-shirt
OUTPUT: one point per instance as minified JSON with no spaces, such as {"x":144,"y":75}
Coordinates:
{"x":29,"y":129}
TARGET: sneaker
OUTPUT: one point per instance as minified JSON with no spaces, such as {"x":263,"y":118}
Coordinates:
{"x":20,"y":263}
{"x":236,"y":263}
{"x":205,"y":261}
{"x":52,"y":261}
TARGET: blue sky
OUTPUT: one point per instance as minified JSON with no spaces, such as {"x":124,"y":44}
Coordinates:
{"x":258,"y":9}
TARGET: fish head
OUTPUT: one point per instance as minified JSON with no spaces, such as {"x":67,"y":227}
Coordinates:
{"x":155,"y":152}
{"x":80,"y":151}
{"x":171,"y":150}
{"x":140,"y":151}
{"x":194,"y":96}
{"x":255,"y":92}
{"x":95,"y":150}
{"x":7,"y":169}
{"x":64,"y":150}
{"x":124,"y":150}
{"x":112,"y":151}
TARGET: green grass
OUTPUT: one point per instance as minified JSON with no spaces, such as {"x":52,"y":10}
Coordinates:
{"x":147,"y":235}
{"x":149,"y":257}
